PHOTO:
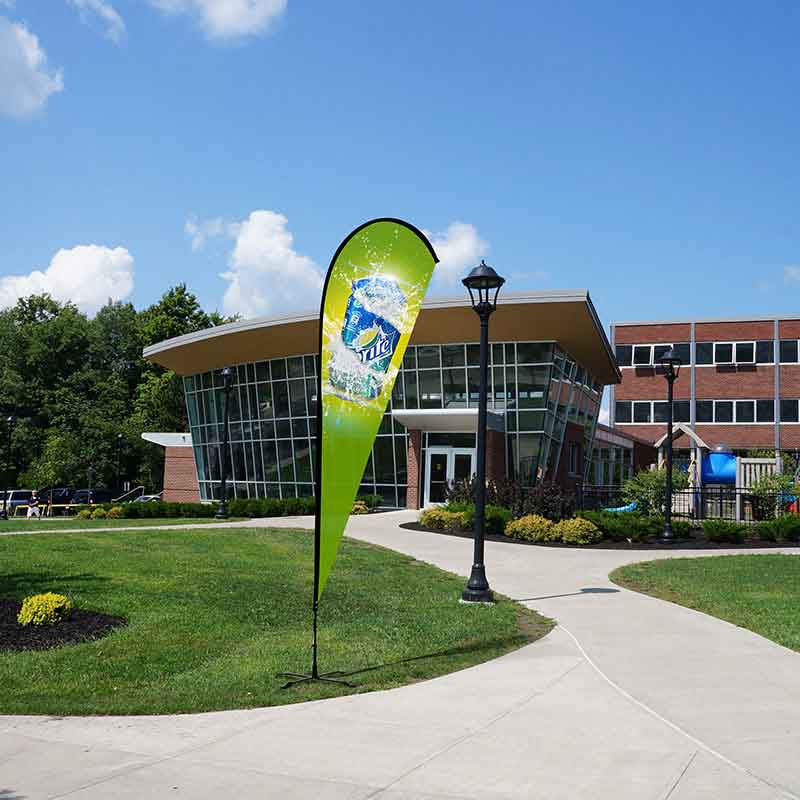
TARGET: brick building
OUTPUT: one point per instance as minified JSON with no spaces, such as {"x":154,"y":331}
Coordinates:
{"x":180,"y":473}
{"x":739,"y":384}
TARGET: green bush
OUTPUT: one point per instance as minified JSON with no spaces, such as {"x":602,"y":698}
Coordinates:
{"x":767,"y":492}
{"x":99,"y":513}
{"x":371,"y":501}
{"x":722,"y":530}
{"x":84,"y":513}
{"x":359,"y":507}
{"x":495,"y":519}
{"x":440,"y":519}
{"x":531,"y":528}
{"x":621,"y":526}
{"x":648,"y":489}
{"x":114,"y":513}
{"x":577,"y":531}
{"x":785,"y":528}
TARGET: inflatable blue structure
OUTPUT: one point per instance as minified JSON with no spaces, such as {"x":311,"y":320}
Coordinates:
{"x":719,"y":466}
{"x":622,"y":509}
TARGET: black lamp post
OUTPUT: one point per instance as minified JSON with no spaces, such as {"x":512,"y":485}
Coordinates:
{"x":10,"y":423}
{"x":118,"y":453}
{"x":90,"y":473}
{"x":483,"y":284}
{"x":227,"y":375}
{"x":671,"y":364}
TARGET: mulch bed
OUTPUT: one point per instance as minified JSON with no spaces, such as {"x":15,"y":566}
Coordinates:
{"x":79,"y":626}
{"x":694,"y":543}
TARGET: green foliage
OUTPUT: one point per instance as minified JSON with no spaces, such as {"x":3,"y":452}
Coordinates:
{"x":440,"y":519}
{"x":99,"y":513}
{"x":722,"y":530}
{"x":359,"y":507}
{"x":546,"y":500}
{"x":621,"y":526}
{"x":115,"y":512}
{"x":44,"y":609}
{"x":785,"y":528}
{"x":768,"y":492}
{"x":84,"y":513}
{"x":271,"y":507}
{"x":577,"y":531}
{"x":648,"y":489}
{"x":74,"y":383}
{"x":531,"y":527}
{"x":495,"y":519}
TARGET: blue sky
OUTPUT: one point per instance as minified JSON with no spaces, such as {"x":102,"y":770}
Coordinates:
{"x":647,"y":153}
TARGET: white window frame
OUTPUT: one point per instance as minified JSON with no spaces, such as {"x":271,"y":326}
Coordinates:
{"x":736,"y":360}
{"x":734,"y":401}
{"x":733,"y":353}
{"x":781,"y":361}
{"x":783,"y":399}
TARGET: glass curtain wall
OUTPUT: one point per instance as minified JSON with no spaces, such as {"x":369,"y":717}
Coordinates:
{"x":273,"y":416}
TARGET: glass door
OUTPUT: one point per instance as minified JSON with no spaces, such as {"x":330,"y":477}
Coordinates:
{"x":443,"y":466}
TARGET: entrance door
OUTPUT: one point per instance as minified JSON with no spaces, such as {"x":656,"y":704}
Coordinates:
{"x":443,"y":465}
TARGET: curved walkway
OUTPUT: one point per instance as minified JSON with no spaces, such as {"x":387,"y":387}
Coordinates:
{"x":629,"y":697}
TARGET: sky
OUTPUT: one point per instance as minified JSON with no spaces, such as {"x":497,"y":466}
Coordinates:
{"x":646,"y":152}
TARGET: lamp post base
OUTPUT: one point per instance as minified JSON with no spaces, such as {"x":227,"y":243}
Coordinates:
{"x":477,"y":590}
{"x":222,"y":513}
{"x":667,"y":536}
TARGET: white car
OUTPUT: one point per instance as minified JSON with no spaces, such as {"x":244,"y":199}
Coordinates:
{"x":16,"y":497}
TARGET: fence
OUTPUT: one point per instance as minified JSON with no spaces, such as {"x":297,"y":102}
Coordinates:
{"x":708,"y":502}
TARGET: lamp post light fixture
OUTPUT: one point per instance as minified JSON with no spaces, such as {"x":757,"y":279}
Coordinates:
{"x":10,"y":423}
{"x":228,"y":376}
{"x":483,"y":284}
{"x":118,"y":448}
{"x":671,"y":365}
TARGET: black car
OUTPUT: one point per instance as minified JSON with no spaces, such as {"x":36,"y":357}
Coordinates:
{"x":56,"y":495}
{"x":86,"y":496}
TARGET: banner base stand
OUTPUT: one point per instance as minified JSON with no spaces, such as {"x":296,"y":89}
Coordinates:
{"x":299,"y":677}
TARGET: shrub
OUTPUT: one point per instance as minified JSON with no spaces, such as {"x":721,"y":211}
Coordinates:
{"x":99,"y":513}
{"x":768,"y":492}
{"x":439,"y":519}
{"x":546,"y":500}
{"x":621,"y":526}
{"x":359,"y":507}
{"x":84,"y":513}
{"x":722,"y":530}
{"x":114,"y":513}
{"x":576,"y":531}
{"x":681,"y":528}
{"x":44,"y":609}
{"x":785,"y":528}
{"x":531,"y":528}
{"x":648,"y":489}
{"x":495,"y":519}
{"x":371,"y":501}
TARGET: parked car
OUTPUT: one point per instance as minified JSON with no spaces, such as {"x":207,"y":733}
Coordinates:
{"x":87,"y":496}
{"x":147,"y":498}
{"x":17,"y":497}
{"x":57,"y":495}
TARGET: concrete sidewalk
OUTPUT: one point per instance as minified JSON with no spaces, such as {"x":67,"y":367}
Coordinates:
{"x":629,"y":697}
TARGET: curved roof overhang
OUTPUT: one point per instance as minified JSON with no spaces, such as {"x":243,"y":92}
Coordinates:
{"x":567,"y":317}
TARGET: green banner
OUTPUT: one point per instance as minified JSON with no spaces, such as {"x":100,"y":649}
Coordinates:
{"x":372,"y":296}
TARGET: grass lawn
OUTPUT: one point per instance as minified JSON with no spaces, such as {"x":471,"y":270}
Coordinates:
{"x":73,"y":523}
{"x":758,"y":592}
{"x":214,"y":614}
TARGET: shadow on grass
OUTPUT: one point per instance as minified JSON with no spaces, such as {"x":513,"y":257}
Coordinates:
{"x":461,"y":650}
{"x":17,"y":583}
{"x":586,"y":590}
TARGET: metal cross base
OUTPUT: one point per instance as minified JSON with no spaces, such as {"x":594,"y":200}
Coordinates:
{"x":309,"y":677}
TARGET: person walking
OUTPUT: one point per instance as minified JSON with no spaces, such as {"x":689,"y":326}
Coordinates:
{"x":33,"y":506}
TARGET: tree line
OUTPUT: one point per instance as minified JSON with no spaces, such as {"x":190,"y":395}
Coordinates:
{"x":76,"y":383}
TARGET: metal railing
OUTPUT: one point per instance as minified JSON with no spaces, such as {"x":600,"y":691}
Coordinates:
{"x":732,"y":503}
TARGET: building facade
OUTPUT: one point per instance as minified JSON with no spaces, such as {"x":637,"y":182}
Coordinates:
{"x":739,"y":384}
{"x":549,"y":362}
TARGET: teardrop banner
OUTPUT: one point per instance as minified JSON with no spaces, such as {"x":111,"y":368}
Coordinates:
{"x":370,"y":302}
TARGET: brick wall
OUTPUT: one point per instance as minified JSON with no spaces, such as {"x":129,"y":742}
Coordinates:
{"x":652,"y":334}
{"x":180,"y":476}
{"x":747,"y":382}
{"x":414,"y":494}
{"x":790,"y":380}
{"x":789,"y":329}
{"x":737,"y":436}
{"x":733,"y":331}
{"x":643,"y":383}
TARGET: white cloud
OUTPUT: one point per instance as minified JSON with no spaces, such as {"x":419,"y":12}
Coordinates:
{"x":25,"y":83}
{"x":459,"y":249}
{"x":203,"y":230}
{"x":265,"y":273}
{"x":227,"y":19}
{"x":791,"y":274}
{"x":88,"y":275}
{"x":114,"y":24}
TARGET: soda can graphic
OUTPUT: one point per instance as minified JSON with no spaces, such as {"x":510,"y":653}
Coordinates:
{"x":370,"y":333}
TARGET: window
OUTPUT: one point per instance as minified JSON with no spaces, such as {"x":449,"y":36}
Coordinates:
{"x":765,"y":353}
{"x":622,"y":411}
{"x":788,"y":410}
{"x":624,"y":355}
{"x":574,"y":458}
{"x":788,"y":350}
{"x":704,"y":353}
{"x":704,"y":411}
{"x":683,"y":351}
{"x":680,"y":411}
{"x":660,"y":411}
{"x":658,"y":352}
{"x":745,"y":352}
{"x":723,"y":353}
{"x":642,"y":354}
{"x":641,"y":412}
{"x":765,"y":410}
{"x":745,"y":411}
{"x":723,"y":411}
